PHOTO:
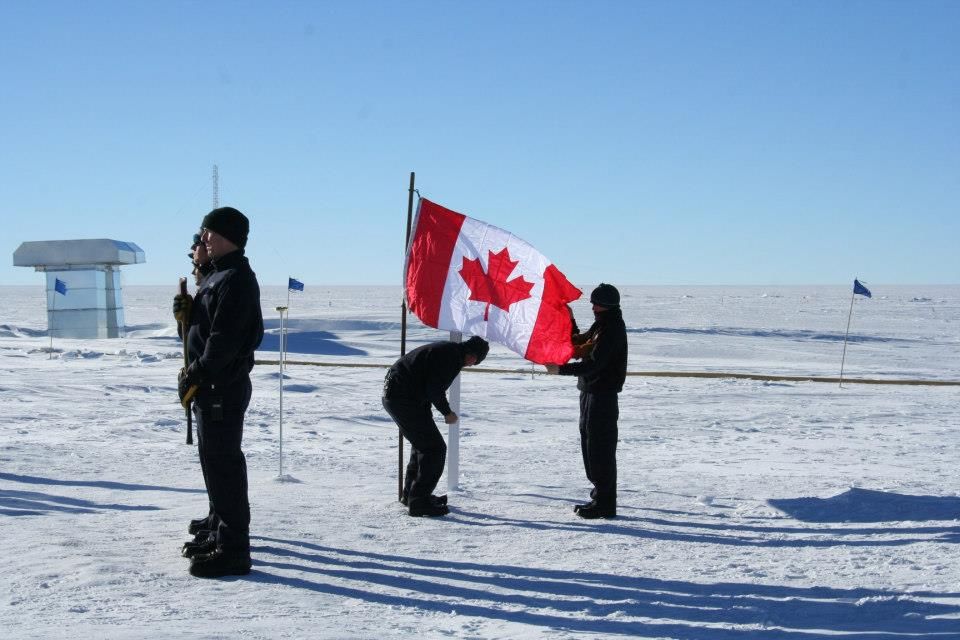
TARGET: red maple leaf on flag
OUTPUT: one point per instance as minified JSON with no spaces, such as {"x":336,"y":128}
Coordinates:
{"x":492,"y":286}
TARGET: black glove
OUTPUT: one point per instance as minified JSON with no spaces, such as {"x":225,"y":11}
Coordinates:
{"x":188,"y":383}
{"x":182,"y":304}
{"x":581,"y":351}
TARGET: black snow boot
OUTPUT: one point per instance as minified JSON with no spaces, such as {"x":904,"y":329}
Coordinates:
{"x":204,"y":542}
{"x":427,"y":507}
{"x":586,"y":505}
{"x":594,"y":511}
{"x":222,"y":561}
{"x":441,"y":500}
{"x":200,"y":524}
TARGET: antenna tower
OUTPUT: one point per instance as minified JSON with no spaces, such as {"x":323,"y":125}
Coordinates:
{"x":216,"y":187}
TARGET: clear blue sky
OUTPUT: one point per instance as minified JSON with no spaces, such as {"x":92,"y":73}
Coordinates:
{"x":633,"y":142}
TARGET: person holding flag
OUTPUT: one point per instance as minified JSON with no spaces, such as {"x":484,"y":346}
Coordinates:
{"x":601,"y":374}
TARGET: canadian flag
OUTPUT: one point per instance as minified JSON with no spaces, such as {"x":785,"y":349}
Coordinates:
{"x":466,"y":275}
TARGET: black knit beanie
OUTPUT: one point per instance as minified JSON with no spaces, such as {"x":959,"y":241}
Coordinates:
{"x":229,"y":223}
{"x":478,"y":347}
{"x":605,"y":295}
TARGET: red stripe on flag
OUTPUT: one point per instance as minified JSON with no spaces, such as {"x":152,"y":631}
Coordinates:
{"x":550,"y":342}
{"x":429,"y":259}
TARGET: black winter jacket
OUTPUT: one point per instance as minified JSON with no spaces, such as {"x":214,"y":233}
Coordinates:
{"x":605,"y":368}
{"x":425,"y":374}
{"x":226,"y":324}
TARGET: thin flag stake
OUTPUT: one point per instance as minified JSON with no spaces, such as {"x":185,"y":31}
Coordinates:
{"x":292,"y":284}
{"x":53,"y":317}
{"x":843,"y":358}
{"x":403,"y":329}
{"x":57,"y":286}
{"x":282,"y":358}
{"x":858,"y":288}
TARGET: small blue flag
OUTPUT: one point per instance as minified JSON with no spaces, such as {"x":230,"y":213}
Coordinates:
{"x":295,"y":285}
{"x":60,"y":286}
{"x":859,"y":289}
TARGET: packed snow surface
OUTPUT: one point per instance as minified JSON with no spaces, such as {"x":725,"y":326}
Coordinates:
{"x":748,"y":509}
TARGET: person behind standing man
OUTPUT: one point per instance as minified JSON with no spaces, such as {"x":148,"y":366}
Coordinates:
{"x":202,"y":265}
{"x":416,"y":381}
{"x":601,"y":374}
{"x":225,"y":327}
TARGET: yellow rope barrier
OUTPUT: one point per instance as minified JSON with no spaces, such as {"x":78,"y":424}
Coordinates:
{"x":655,"y":374}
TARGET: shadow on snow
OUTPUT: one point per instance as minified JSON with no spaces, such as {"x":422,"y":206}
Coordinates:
{"x":742,"y":332}
{"x":15,"y":502}
{"x":99,"y":484}
{"x":866,"y":505}
{"x":35,"y":503}
{"x":590,"y":602}
{"x":727,"y":534}
{"x":321,"y":343}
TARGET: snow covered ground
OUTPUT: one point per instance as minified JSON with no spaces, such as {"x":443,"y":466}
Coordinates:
{"x":748,"y":509}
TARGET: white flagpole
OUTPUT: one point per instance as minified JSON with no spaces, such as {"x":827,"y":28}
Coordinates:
{"x":453,"y":430}
{"x":844,"y":357}
{"x":282,"y":334}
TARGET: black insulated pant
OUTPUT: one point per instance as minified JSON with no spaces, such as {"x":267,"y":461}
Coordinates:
{"x":220,"y":433}
{"x":598,"y":443}
{"x":428,"y":453}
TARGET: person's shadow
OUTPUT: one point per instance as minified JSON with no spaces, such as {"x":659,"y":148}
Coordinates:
{"x":21,"y":502}
{"x":599,"y":603}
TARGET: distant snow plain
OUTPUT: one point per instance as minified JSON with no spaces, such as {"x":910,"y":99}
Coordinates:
{"x":749,"y":509}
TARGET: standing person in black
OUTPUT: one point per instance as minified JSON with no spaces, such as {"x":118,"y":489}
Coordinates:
{"x":414,"y":383}
{"x":600,"y":373}
{"x":225,"y":328}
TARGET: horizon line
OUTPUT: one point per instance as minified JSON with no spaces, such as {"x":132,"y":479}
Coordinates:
{"x":751,"y":284}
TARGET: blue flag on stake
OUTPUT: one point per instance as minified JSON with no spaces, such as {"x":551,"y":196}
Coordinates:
{"x":294,"y":285}
{"x":60,"y":286}
{"x":859,"y":289}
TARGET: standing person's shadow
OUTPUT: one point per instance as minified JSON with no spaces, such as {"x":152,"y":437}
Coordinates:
{"x":19,"y":502}
{"x":601,"y":603}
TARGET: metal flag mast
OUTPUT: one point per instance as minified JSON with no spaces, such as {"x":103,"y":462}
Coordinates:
{"x":403,"y":329}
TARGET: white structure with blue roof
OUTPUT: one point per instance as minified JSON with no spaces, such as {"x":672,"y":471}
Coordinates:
{"x":93,"y":304}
